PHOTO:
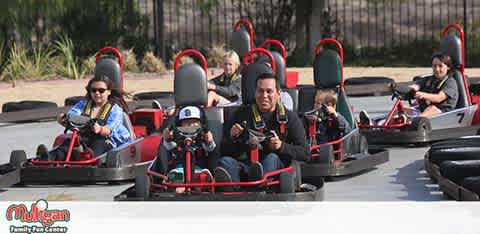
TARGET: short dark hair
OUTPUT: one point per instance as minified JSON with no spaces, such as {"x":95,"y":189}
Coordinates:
{"x":444,"y":58}
{"x":265,"y":76}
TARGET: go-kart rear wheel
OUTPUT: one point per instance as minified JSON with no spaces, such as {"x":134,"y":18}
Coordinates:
{"x":287,"y":182}
{"x":18,"y":158}
{"x":420,"y":124}
{"x":142,"y":186}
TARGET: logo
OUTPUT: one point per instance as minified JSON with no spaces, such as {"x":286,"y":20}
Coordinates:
{"x":38,"y":213}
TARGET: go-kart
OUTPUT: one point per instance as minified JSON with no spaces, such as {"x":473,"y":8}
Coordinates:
{"x":77,"y":164}
{"x":348,"y":154}
{"x":190,"y":89}
{"x":278,"y":185}
{"x":455,"y":165}
{"x":462,"y":121}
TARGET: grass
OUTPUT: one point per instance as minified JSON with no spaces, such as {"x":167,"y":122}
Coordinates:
{"x":21,"y":66}
{"x":69,"y":68}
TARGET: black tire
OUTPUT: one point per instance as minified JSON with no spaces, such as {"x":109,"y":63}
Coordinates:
{"x":27,"y":105}
{"x":142,"y":186}
{"x":18,"y":158}
{"x":153,"y":95}
{"x":421,"y":124}
{"x":287,"y":182}
{"x":70,"y":101}
{"x":455,"y":149}
{"x":472,"y":184}
{"x":456,"y":171}
{"x":368,"y":80}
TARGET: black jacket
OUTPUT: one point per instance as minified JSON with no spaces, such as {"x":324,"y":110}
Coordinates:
{"x":294,"y":143}
{"x":227,"y":87}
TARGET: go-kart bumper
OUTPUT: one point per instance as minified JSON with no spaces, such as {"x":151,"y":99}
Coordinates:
{"x":447,"y":186}
{"x":396,"y":136}
{"x":361,"y":162}
{"x":9,"y":177}
{"x":317,"y":195}
{"x":80,"y":174}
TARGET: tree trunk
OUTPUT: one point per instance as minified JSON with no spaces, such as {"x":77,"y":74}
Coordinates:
{"x":315,"y":25}
{"x":302,"y":13}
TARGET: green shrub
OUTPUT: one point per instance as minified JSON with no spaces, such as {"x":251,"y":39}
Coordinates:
{"x":150,"y":63}
{"x":183,"y":60}
{"x":88,"y":65}
{"x":215,"y":55}
{"x":130,"y":61}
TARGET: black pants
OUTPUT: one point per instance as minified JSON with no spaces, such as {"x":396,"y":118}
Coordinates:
{"x":97,"y":144}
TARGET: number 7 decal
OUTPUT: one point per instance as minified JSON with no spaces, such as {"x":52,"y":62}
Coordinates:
{"x":462,"y":115}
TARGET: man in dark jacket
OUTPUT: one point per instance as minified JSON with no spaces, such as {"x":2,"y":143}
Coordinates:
{"x":226,"y":88}
{"x":286,"y":139}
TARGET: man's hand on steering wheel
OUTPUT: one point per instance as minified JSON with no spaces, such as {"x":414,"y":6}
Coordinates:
{"x":274,"y":141}
{"x":236,"y":131}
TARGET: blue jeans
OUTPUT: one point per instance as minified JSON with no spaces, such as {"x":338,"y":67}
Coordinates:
{"x":270,"y":162}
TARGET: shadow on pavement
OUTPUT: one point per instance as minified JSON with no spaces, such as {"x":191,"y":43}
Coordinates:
{"x":418,"y":185}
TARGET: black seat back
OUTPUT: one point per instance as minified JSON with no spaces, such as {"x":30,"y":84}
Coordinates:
{"x":452,"y":46}
{"x":190,"y":85}
{"x":249,"y":80}
{"x":240,"y":41}
{"x":110,"y":68}
{"x":327,"y":70}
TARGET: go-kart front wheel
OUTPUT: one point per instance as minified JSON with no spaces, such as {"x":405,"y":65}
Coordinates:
{"x":142,"y":186}
{"x":287,"y":182}
{"x":18,"y":158}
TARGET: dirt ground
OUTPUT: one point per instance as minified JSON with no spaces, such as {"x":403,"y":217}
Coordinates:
{"x":57,"y":90}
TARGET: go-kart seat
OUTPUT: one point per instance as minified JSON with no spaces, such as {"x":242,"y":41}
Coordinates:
{"x":249,"y":79}
{"x":240,"y":41}
{"x":452,"y":45}
{"x":128,"y":125}
{"x":190,"y":85}
{"x":327,"y":75}
{"x":110,"y":68}
{"x":281,"y":68}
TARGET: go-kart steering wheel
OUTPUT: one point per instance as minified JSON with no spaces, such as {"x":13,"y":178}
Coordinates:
{"x":321,"y":113}
{"x":403,"y":92}
{"x":252,"y":137}
{"x":192,"y":133}
{"x":79,"y":123}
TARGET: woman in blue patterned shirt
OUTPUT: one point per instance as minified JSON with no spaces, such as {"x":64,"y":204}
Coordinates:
{"x":104,"y":103}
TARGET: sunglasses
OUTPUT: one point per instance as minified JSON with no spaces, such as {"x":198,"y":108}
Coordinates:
{"x":94,"y":90}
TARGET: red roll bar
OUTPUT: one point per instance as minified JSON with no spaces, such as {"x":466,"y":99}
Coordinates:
{"x":459,"y":30}
{"x":276,"y":43}
{"x":116,"y":53}
{"x":249,"y":26}
{"x":249,"y":57}
{"x":339,"y":47}
{"x":192,"y":53}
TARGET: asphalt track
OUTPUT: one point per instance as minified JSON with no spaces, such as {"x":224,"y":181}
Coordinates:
{"x":401,"y":179}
